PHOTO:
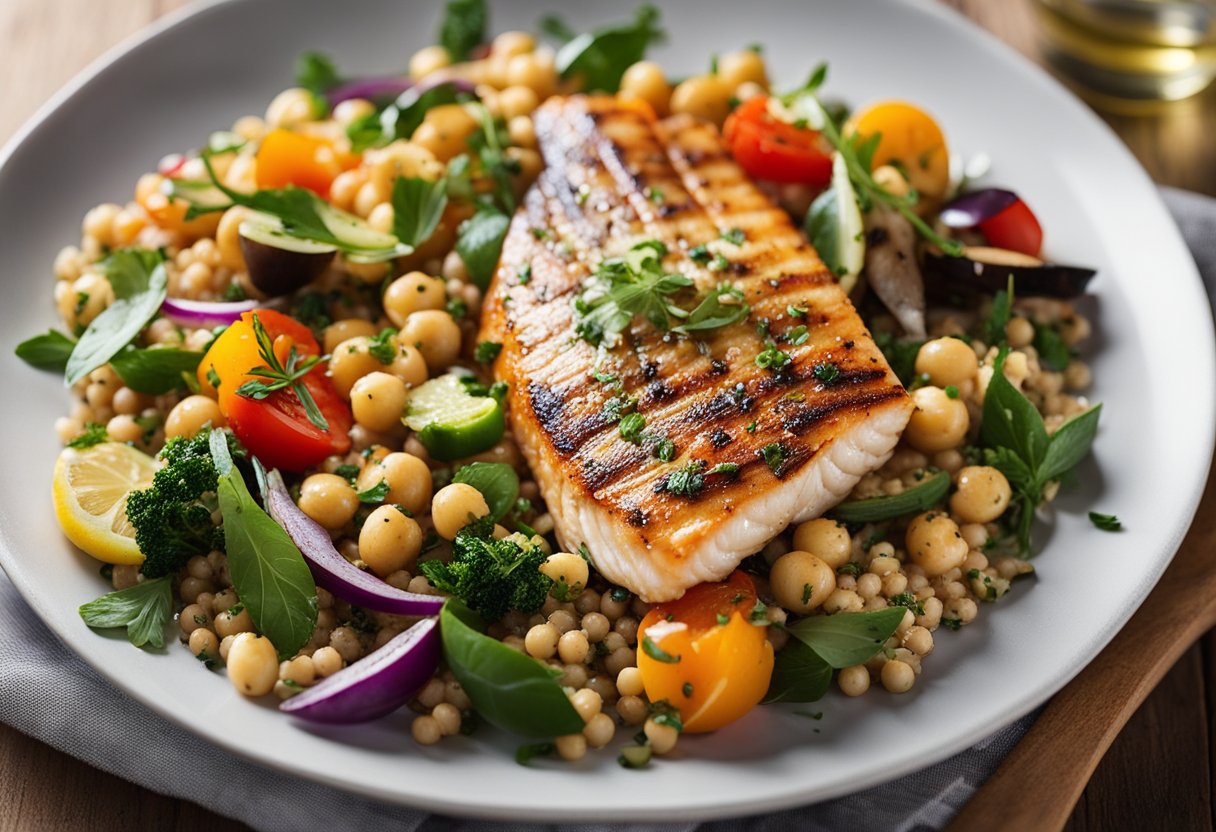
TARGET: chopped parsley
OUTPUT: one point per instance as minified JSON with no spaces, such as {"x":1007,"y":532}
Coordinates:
{"x":382,"y":347}
{"x":487,"y":351}
{"x":631,"y":427}
{"x":687,"y":481}
{"x":650,"y":648}
{"x":771,"y":358}
{"x":773,"y":455}
{"x":94,"y":434}
{"x":951,"y":391}
{"x":827,"y":372}
{"x":735,"y":236}
{"x":795,"y":312}
{"x":1106,"y":522}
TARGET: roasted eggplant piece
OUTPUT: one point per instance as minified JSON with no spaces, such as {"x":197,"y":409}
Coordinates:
{"x":278,"y":263}
{"x":986,"y":270}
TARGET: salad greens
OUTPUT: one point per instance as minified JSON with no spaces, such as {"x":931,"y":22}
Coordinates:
{"x":600,"y":58}
{"x":509,"y":689}
{"x":496,"y":481}
{"x":463,"y":28}
{"x":417,"y":208}
{"x":144,"y":609}
{"x":49,"y":351}
{"x":803,"y":668}
{"x":268,"y":572}
{"x":914,"y":500}
{"x":156,"y":370}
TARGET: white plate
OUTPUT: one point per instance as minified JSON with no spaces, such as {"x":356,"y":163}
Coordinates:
{"x":1153,"y":360}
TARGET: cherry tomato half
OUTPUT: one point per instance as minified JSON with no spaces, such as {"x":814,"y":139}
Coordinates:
{"x":704,"y":654}
{"x":768,"y":148}
{"x":276,"y":429}
{"x":1016,"y":228}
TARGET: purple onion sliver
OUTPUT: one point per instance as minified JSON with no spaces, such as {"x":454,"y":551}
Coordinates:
{"x":330,"y":569}
{"x":971,"y":209}
{"x":372,"y":89}
{"x":376,"y":685}
{"x":201,"y":313}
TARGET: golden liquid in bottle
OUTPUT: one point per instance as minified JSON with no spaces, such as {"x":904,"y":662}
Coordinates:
{"x":1133,"y":50}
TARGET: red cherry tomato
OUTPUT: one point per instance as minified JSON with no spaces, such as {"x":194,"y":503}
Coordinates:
{"x":1016,"y":228}
{"x":276,"y":429}
{"x":768,"y":148}
{"x":710,"y":661}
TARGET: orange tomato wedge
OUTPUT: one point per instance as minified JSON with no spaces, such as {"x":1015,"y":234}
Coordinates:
{"x":286,"y":157}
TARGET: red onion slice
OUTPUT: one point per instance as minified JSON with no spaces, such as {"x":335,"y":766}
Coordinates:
{"x":376,"y":685}
{"x":201,"y":313}
{"x":971,"y":209}
{"x":330,"y":569}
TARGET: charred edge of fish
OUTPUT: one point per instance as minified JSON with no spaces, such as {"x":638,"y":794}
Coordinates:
{"x":804,"y":418}
{"x":548,"y":408}
{"x":720,"y":438}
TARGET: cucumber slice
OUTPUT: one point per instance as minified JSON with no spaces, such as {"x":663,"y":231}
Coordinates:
{"x":835,"y":227}
{"x":279,"y":263}
{"x":360,"y":238}
{"x":450,"y":423}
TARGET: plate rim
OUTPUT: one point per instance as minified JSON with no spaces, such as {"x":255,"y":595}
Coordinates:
{"x":798,"y":794}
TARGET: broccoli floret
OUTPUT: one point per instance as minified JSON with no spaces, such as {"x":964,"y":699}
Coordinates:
{"x":172,"y":517}
{"x":492,"y":576}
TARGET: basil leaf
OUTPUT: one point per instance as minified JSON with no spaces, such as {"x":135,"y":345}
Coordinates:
{"x":1069,"y":445}
{"x":850,"y":638}
{"x":463,"y":28}
{"x":144,"y":609}
{"x":139,"y":288}
{"x":919,"y":498}
{"x":49,"y":351}
{"x":998,"y":318}
{"x":316,"y":73}
{"x":799,"y":675}
{"x":509,"y":689}
{"x":1011,"y":421}
{"x":835,"y":227}
{"x":268,"y":571}
{"x":417,"y":208}
{"x":496,"y":481}
{"x":1105,"y":522}
{"x":601,"y":57}
{"x":155,"y":370}
{"x":1054,"y":354}
{"x":479,"y":244}
{"x":712,"y":313}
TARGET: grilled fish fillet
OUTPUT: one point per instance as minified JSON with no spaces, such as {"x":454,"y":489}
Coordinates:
{"x":615,"y":177}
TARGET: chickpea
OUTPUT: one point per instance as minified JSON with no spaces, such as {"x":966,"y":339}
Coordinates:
{"x":662,"y":736}
{"x":600,"y":730}
{"x":935,"y":544}
{"x":566,"y":570}
{"x":572,"y":746}
{"x":595,"y":625}
{"x":632,"y":709}
{"x":408,"y":477}
{"x":290,"y":108}
{"x":445,"y":131}
{"x":426,"y":730}
{"x":510,"y":44}
{"x":427,"y":60}
{"x":328,"y":499}
{"x":346,"y":641}
{"x":454,"y":507}
{"x":413,"y":292}
{"x":1019,"y":332}
{"x":344,"y":330}
{"x":228,"y":624}
{"x":409,"y":366}
{"x":947,"y":361}
{"x":898,"y":676}
{"x":704,"y":96}
{"x":389,"y":541}
{"x":854,"y":681}
{"x":378,"y":401}
{"x":434,"y":334}
{"x":541,"y":641}
{"x":801,"y":581}
{"x":983,"y":494}
{"x":645,"y":80}
{"x":253,"y":665}
{"x":826,"y":539}
{"x":744,"y":66}
{"x":919,"y":641}
{"x":517,"y":101}
{"x":843,"y":600}
{"x":327,"y":661}
{"x":535,"y":70}
{"x":573,"y":647}
{"x":203,"y":641}
{"x":938,"y":423}
{"x":193,"y":617}
{"x":350,"y":361}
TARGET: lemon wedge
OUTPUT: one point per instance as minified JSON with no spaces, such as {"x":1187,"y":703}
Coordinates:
{"x":90,"y":492}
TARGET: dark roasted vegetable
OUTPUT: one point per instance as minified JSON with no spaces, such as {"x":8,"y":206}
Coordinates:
{"x":986,"y":271}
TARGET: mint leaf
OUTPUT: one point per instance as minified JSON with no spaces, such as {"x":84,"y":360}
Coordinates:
{"x":1070,"y":444}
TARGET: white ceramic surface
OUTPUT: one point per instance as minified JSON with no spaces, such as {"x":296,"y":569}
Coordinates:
{"x":1153,"y":360}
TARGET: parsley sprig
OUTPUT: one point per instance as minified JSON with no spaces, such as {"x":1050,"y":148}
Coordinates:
{"x":858,"y":154}
{"x":279,"y":376}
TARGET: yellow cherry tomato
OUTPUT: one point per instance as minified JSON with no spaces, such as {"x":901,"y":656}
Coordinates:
{"x":911,"y":140}
{"x":704,"y":656}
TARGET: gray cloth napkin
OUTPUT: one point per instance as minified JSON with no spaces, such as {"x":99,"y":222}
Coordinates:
{"x":50,"y":694}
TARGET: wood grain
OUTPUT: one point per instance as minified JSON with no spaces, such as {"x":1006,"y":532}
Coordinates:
{"x":1156,"y":775}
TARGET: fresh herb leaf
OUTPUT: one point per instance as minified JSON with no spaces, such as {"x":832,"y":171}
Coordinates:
{"x":400,"y":119}
{"x":382,"y":347}
{"x":700,"y":254}
{"x":631,"y":427}
{"x":827,"y":372}
{"x":49,"y":351}
{"x":418,"y":206}
{"x":374,"y":495}
{"x":463,"y":28}
{"x":795,"y":312}
{"x":155,"y":370}
{"x":687,"y":481}
{"x":726,"y":469}
{"x":600,"y":58}
{"x":510,"y":690}
{"x":846,"y":639}
{"x":799,"y":675}
{"x":921,"y":497}
{"x":900,"y":354}
{"x":773,"y":455}
{"x":93,"y":434}
{"x":1105,"y":522}
{"x":735,"y":236}
{"x":650,"y":648}
{"x":279,"y":376}
{"x":144,"y":609}
{"x":664,"y":449}
{"x":479,"y":244}
{"x":527,"y":753}
{"x":712,"y":313}
{"x":1054,"y":354}
{"x":487,"y":351}
{"x":998,"y":317}
{"x":835,"y":227}
{"x":139,"y":281}
{"x":316,"y":73}
{"x":496,"y":481}
{"x":624,"y":287}
{"x":771,"y":358}
{"x":908,"y":601}
{"x":268,"y":571}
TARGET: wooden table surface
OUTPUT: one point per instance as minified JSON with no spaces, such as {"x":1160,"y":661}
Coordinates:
{"x":1157,"y":775}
